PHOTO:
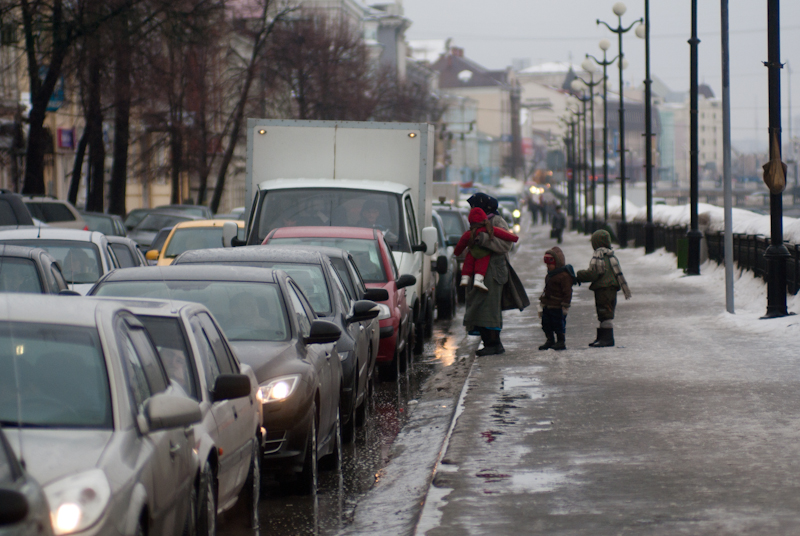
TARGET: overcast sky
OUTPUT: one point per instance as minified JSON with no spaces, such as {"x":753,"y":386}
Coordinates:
{"x":494,"y":32}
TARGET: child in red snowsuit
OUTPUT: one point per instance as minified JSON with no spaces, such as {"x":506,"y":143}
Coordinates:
{"x":477,"y":260}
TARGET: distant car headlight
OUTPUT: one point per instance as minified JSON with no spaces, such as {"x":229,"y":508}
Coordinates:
{"x":77,"y":501}
{"x":517,"y":228}
{"x":278,"y":389}
{"x":517,"y":213}
{"x":385,"y":311}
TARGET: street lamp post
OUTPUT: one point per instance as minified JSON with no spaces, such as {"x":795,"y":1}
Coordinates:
{"x":643,"y":32}
{"x":580,"y":87}
{"x":577,"y":158}
{"x":694,"y":235}
{"x":604,"y":46}
{"x":619,"y":10}
{"x":589,"y":67}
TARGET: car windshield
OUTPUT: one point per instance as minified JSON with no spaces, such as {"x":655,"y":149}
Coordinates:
{"x":245,"y":311}
{"x":50,"y":212}
{"x":171,"y":344}
{"x":52,"y":376}
{"x":79,"y":261}
{"x":333,"y":207}
{"x":19,"y":275}
{"x":453,"y":223}
{"x":154,"y":222}
{"x":135,"y":216}
{"x":364,"y":252}
{"x":188,"y":238}
{"x":100,"y":224}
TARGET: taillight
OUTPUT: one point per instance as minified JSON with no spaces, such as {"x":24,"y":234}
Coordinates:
{"x":85,"y":227}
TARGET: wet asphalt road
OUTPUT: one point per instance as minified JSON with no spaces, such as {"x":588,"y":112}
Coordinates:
{"x":363,"y":460}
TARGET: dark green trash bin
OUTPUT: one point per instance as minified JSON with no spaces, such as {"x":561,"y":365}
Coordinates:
{"x":683,"y":253}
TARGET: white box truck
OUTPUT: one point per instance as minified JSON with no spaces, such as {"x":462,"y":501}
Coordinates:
{"x":332,"y":172}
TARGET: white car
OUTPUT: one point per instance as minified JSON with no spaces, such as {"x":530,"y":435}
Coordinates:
{"x":228,"y":439}
{"x":86,"y":403}
{"x":84,"y":256}
{"x":56,"y":213}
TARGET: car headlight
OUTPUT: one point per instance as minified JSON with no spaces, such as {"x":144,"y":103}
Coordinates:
{"x":278,"y":389}
{"x":78,"y":501}
{"x":385,"y":311}
{"x":517,"y":228}
{"x":517,"y":213}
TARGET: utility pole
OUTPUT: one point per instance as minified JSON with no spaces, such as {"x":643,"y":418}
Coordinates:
{"x":516,"y":131}
{"x":694,"y":235}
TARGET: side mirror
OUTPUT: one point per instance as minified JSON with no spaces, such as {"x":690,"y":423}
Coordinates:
{"x":323,"y":332}
{"x":152,"y":255}
{"x":406,"y":280}
{"x":163,"y":412}
{"x":429,"y":237}
{"x":441,"y":264}
{"x":363,"y":310}
{"x":13,"y":507}
{"x":231,"y":386}
{"x":229,"y":232}
{"x":452,"y":240}
{"x":376,"y":294}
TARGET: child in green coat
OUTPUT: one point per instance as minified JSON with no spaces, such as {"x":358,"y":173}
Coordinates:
{"x":605,"y":275}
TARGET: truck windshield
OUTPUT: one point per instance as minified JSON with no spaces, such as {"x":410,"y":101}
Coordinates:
{"x":337,"y":207}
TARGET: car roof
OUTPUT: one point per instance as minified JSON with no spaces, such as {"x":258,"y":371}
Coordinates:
{"x":207,"y":223}
{"x":363,"y":233}
{"x":10,"y":250}
{"x":252,"y":254}
{"x":52,"y":233}
{"x":150,"y":306}
{"x":114,"y":239}
{"x":328,"y":251}
{"x":347,"y":184}
{"x":54,"y":309}
{"x":193,"y":273}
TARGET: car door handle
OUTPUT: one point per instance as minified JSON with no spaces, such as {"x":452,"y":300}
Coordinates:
{"x":174,"y":449}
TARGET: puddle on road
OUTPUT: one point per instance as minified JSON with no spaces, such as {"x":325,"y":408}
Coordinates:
{"x":362,"y":461}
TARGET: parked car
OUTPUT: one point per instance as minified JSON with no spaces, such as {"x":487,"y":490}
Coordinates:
{"x":190,"y":235}
{"x":55,"y":213}
{"x":318,"y":279}
{"x":200,"y":211}
{"x":146,"y":230}
{"x":198,"y":357}
{"x":446,"y":266}
{"x":108,"y":224}
{"x":13,"y":211}
{"x":30,"y":271}
{"x":377,"y":267}
{"x":456,"y":224}
{"x":271,"y":327}
{"x":23,"y":506}
{"x":237,"y":213}
{"x":127,"y":252}
{"x":83,"y":256}
{"x":103,"y":428}
{"x":135,"y":216}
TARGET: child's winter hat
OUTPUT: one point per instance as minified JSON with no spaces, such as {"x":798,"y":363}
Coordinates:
{"x":477,"y":215}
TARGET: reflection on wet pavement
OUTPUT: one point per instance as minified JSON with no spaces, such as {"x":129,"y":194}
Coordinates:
{"x":363,"y":460}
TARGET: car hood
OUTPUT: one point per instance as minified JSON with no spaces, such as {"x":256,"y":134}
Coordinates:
{"x":53,"y":454}
{"x":270,"y":359}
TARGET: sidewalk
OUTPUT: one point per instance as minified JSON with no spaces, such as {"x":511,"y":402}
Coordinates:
{"x":690,"y":425}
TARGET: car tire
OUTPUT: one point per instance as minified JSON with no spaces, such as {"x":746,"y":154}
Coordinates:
{"x":190,"y":525}
{"x":362,"y":411}
{"x":388,"y":371}
{"x":207,"y":503}
{"x":333,"y":461}
{"x":251,"y":492}
{"x":446,"y":307}
{"x":349,"y":427}
{"x":306,"y":483}
{"x":418,"y":330}
{"x":429,"y":318}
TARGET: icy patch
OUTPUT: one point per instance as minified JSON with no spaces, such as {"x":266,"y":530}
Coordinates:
{"x":516,"y":382}
{"x":431,"y":516}
{"x":538,"y":481}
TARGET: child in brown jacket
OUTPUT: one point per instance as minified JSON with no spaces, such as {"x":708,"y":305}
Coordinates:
{"x":556,"y":298}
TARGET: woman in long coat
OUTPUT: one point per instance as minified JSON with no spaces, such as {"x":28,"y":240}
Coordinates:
{"x":484,"y":314}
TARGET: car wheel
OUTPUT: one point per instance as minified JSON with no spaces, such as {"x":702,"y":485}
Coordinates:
{"x":362,"y":411}
{"x":349,"y":428}
{"x":251,"y":493}
{"x":207,"y":505}
{"x":445,"y":307}
{"x":403,"y":359}
{"x":307,"y":481}
{"x":333,"y":460}
{"x":190,"y":525}
{"x":140,"y":530}
{"x":418,"y":329}
{"x":388,"y":371}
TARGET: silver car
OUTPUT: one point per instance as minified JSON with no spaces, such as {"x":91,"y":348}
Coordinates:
{"x":23,"y":506}
{"x":197,"y":355}
{"x":85,"y":401}
{"x":84,"y":256}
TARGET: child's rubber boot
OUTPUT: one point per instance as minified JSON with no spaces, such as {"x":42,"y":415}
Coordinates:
{"x":478,"y":283}
{"x":561,"y":343}
{"x":549,"y":343}
{"x":597,"y":338}
{"x":606,"y":338}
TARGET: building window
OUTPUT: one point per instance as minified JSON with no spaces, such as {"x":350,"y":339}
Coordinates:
{"x":8,"y":34}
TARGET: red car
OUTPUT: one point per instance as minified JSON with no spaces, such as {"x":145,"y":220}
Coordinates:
{"x":377,"y":267}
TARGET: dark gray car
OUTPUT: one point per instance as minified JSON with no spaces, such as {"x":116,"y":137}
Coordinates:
{"x":319,"y":280}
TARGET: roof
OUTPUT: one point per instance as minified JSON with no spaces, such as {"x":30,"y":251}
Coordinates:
{"x":193,"y":273}
{"x":52,"y":309}
{"x":551,"y":67}
{"x":50,"y":233}
{"x":364,"y":233}
{"x":151,"y":306}
{"x":8,"y":250}
{"x":375,"y":186}
{"x":249,"y":254}
{"x":456,"y":71}
{"x":208,"y":223}
{"x":328,"y":251}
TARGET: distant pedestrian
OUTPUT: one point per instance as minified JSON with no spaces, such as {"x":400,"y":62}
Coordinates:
{"x":605,"y":275}
{"x":556,"y":299}
{"x":558,"y":224}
